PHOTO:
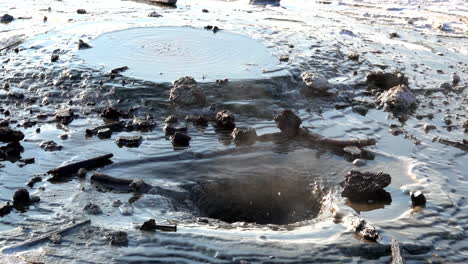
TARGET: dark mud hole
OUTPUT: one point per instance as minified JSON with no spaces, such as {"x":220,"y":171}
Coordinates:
{"x":277,"y":200}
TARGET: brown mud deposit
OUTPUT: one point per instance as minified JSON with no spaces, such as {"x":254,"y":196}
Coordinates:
{"x":243,"y":159}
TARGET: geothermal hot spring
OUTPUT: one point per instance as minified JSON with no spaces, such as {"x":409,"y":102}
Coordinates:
{"x":163,"y":54}
{"x":268,"y":202}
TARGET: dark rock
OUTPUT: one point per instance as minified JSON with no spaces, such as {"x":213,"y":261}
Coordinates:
{"x":398,"y":99}
{"x":25,"y":162}
{"x":265,"y":2}
{"x":50,"y":146}
{"x":81,"y":11}
{"x":284,"y":58}
{"x":129,"y":141}
{"x":5,"y":208}
{"x":180,"y":140}
{"x":316,"y":83}
{"x":360,"y":109}
{"x":205,"y":10}
{"x":21,"y":198}
{"x":225,"y":119}
{"x":171,"y":119}
{"x":354,"y":56}
{"x":154,"y":14}
{"x":119,"y":238}
{"x":166,"y":2}
{"x":149,"y":225}
{"x":465,"y":125}
{"x":54,"y":58}
{"x":244,"y":136}
{"x":83,"y":45}
{"x":394,"y":35}
{"x":428,"y":127}
{"x":33,"y":181}
{"x":111,"y":113}
{"x":418,"y":198}
{"x":170,"y":130}
{"x":6,"y":18}
{"x":288,"y":122}
{"x":365,"y":186}
{"x":8,"y":135}
{"x":92,"y":209}
{"x":186,"y":92}
{"x":215,"y":29}
{"x":64,"y":116}
{"x":353,"y":151}
{"x":455,"y":79}
{"x":382,"y":81}
{"x":143,"y":124}
{"x":104,"y":133}
{"x":11,"y":152}
{"x":4,"y":123}
{"x":365,"y":230}
{"x":119,"y":70}
{"x":203,"y":122}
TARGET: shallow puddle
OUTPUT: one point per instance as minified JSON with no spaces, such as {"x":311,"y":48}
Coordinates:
{"x":163,"y":54}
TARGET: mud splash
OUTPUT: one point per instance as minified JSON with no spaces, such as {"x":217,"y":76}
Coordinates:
{"x":38,"y":86}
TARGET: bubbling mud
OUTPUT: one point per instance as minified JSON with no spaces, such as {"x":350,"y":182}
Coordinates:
{"x":260,"y":200}
{"x":163,"y":54}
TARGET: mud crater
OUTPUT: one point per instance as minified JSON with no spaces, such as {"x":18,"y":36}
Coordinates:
{"x":260,"y":200}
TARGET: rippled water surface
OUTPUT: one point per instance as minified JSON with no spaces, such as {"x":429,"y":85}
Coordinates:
{"x":273,"y":178}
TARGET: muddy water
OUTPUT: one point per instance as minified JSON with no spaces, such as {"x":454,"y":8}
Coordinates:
{"x":314,"y":36}
{"x":163,"y":54}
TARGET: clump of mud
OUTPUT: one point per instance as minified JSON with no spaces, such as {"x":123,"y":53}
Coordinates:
{"x":258,"y":200}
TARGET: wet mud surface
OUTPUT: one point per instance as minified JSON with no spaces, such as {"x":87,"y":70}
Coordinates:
{"x":265,"y":202}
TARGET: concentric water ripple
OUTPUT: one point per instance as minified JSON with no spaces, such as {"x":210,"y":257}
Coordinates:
{"x":163,"y":54}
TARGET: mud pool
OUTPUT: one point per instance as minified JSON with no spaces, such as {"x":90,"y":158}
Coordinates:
{"x":261,"y":184}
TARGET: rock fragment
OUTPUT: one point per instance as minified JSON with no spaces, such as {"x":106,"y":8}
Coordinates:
{"x":154,"y":14}
{"x":33,"y":181}
{"x":104,"y":133}
{"x":21,"y":198}
{"x":185,"y":91}
{"x":5,"y":208}
{"x":92,"y":209}
{"x":8,"y":135}
{"x":83,"y":45}
{"x":111,"y":113}
{"x":381,"y":81}
{"x":81,"y":11}
{"x":118,"y":238}
{"x":165,"y":2}
{"x":418,"y":198}
{"x":225,"y":119}
{"x":398,"y":99}
{"x":366,"y":186}
{"x":316,"y":82}
{"x":129,"y":141}
{"x":244,"y":136}
{"x":171,"y":119}
{"x":64,"y":116}
{"x":455,"y":79}
{"x":6,"y":18}
{"x":149,"y":225}
{"x":180,"y":140}
{"x":288,"y":122}
{"x":50,"y":146}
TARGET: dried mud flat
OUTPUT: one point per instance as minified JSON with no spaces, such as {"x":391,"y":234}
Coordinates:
{"x":335,"y":94}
